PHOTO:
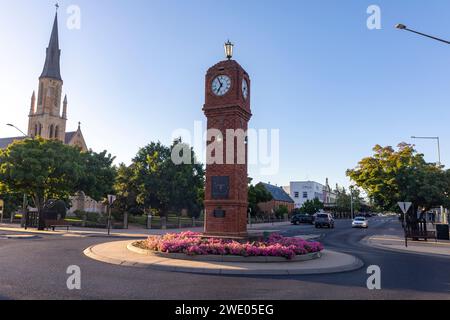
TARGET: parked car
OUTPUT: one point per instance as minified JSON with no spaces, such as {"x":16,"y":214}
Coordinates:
{"x":360,"y":222}
{"x":302,"y":218}
{"x":324,"y":220}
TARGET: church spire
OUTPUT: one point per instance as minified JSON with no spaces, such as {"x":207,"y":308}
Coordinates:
{"x":33,"y":103}
{"x":64,"y":114}
{"x":51,"y":66}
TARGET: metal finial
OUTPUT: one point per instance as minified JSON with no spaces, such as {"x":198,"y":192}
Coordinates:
{"x":57,"y":6}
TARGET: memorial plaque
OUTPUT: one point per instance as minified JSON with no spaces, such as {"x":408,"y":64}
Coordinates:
{"x":219,"y":213}
{"x":220,"y":187}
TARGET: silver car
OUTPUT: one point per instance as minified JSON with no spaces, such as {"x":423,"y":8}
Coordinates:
{"x":360,"y":222}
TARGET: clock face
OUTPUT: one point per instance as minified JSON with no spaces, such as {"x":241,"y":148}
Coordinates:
{"x":221,"y":85}
{"x":244,"y":88}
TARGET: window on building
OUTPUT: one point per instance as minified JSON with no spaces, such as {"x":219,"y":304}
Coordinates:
{"x":51,"y":132}
{"x":296,"y":194}
{"x":305,"y":195}
{"x":56,"y":132}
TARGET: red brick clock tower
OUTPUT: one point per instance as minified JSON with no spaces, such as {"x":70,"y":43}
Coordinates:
{"x":227,"y":106}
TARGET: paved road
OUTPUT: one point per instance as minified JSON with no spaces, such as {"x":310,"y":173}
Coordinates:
{"x":36,"y":269}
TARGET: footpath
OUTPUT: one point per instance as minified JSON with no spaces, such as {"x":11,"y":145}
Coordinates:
{"x":10,"y":229}
{"x":397,"y":243}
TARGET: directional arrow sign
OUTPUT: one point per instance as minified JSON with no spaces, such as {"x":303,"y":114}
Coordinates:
{"x":404,"y":206}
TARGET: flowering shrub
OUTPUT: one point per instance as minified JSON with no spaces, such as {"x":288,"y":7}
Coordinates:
{"x":192,"y":243}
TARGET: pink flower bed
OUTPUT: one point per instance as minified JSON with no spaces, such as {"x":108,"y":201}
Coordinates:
{"x":192,"y":243}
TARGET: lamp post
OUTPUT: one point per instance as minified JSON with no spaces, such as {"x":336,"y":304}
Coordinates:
{"x":25,"y":200}
{"x":229,"y":49}
{"x":351,"y":202}
{"x":13,"y":126}
{"x":403,"y":27}
{"x":438,"y":145}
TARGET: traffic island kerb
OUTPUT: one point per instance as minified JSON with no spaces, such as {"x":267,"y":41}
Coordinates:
{"x":117,"y":253}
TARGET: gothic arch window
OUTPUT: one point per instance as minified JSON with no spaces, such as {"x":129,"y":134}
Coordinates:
{"x":51,"y":132}
{"x":35,"y":130}
{"x":56,"y":132}
{"x":40,"y":130}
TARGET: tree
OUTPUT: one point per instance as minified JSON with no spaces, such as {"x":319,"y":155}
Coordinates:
{"x":12,"y":202}
{"x":164,"y":185}
{"x":391,"y":176}
{"x":126,"y":190}
{"x":281,"y":211}
{"x":49,"y":169}
{"x":257,"y":194}
{"x":311,"y":206}
{"x":98,"y":175}
{"x":344,"y":200}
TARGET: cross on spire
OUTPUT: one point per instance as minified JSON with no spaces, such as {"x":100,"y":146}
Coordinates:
{"x":57,"y":6}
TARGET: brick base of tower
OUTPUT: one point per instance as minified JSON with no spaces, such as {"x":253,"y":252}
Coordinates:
{"x":234,"y":224}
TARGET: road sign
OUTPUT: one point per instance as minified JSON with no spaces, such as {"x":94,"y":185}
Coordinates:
{"x":111,"y":199}
{"x":404,"y":206}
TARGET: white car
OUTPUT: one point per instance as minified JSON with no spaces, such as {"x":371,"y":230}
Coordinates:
{"x":360,"y":222}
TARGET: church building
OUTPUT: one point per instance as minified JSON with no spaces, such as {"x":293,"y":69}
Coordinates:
{"x":45,"y":118}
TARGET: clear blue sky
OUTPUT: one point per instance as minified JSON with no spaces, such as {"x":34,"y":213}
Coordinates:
{"x":135,"y":72}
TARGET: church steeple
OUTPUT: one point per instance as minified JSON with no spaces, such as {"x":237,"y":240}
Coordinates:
{"x":51,"y":66}
{"x":45,"y":119}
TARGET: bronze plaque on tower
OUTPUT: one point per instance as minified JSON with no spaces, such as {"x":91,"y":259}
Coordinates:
{"x":220,"y":187}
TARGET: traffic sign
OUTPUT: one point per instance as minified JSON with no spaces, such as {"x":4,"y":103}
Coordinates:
{"x":111,"y":199}
{"x":404,"y":206}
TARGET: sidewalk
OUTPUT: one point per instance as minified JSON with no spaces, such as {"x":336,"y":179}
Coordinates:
{"x":397,"y":243}
{"x":126,"y":233}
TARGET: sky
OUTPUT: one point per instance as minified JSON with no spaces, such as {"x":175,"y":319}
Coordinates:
{"x":134,"y":73}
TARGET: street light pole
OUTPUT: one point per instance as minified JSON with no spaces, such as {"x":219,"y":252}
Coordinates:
{"x":351,"y":201}
{"x":13,"y":126}
{"x":438,"y":145}
{"x":403,"y":27}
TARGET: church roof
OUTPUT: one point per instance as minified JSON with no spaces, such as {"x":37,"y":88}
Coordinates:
{"x":69,"y":136}
{"x":5,"y":142}
{"x":51,"y":66}
{"x":278,"y":194}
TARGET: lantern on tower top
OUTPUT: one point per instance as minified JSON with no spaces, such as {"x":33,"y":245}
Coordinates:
{"x":229,"y":49}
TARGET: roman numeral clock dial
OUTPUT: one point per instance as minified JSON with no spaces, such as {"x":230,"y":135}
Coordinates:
{"x":221,"y":85}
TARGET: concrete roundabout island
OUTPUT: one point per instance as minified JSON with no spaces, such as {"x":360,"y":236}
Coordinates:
{"x":124,"y":253}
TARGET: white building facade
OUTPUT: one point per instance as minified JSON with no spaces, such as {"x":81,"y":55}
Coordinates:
{"x":302,"y":191}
